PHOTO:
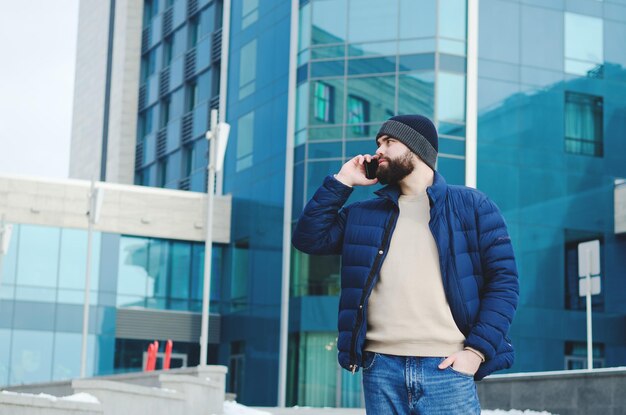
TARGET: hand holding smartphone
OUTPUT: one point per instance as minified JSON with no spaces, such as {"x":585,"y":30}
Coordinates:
{"x":370,"y":168}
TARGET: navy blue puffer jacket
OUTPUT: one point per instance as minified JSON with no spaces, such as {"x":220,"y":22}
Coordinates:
{"x":475,"y":255}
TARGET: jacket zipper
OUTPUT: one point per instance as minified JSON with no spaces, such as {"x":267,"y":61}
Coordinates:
{"x":359,"y":318}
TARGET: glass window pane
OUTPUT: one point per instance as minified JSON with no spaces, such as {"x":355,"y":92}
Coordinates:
{"x":371,"y":66}
{"x":584,"y":38}
{"x":38,"y":256}
{"x":379,"y":94}
{"x":452,"y":18}
{"x":371,"y":20}
{"x":328,"y":52}
{"x":421,"y":61}
{"x":181,"y":270}
{"x":416,"y":93}
{"x":317,"y":171}
{"x":31,"y":357}
{"x":304,"y":37}
{"x":451,"y":97}
{"x":249,"y":12}
{"x":417,"y":18}
{"x":583,"y":124}
{"x":317,"y":369}
{"x":327,"y":68}
{"x":302,"y":107}
{"x":325,"y":150}
{"x":326,"y":106}
{"x":245,"y":141}
{"x":10,"y":259}
{"x":373,"y":49}
{"x":453,"y":169}
{"x":133,"y":267}
{"x":543,"y":27}
{"x":247,"y":68}
{"x":67,"y":350}
{"x":73,"y":259}
{"x":329,"y":21}
{"x":5,"y":347}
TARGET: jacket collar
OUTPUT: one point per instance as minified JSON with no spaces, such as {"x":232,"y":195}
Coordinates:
{"x":436,"y":192}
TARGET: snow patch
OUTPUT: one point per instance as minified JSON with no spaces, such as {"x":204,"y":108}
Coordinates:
{"x":233,"y":408}
{"x":78,"y":397}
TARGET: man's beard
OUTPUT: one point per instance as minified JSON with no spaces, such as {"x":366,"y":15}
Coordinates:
{"x":396,"y":169}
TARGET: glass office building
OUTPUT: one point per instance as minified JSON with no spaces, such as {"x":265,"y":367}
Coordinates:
{"x":43,"y":283}
{"x":543,"y":138}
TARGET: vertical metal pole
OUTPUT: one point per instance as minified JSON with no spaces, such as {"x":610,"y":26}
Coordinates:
{"x":471,"y":96}
{"x":208,"y":244}
{"x":2,"y":236}
{"x":90,"y":213}
{"x":283,"y":348}
{"x":589,"y":328}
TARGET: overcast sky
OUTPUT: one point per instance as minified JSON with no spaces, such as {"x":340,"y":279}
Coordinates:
{"x":37,"y":50}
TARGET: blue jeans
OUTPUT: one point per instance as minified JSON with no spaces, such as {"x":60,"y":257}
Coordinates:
{"x":415,"y":385}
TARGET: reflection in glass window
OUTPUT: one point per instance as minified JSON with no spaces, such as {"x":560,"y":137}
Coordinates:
{"x":302,"y":108}
{"x":249,"y":12}
{"x":146,"y":122}
{"x":583,"y":124}
{"x":150,"y":9}
{"x":240,"y":273}
{"x":148,"y":65}
{"x":5,"y":349}
{"x":329,"y":22}
{"x":38,"y":258}
{"x":358,"y":112}
{"x":452,"y":19}
{"x":247,"y":69}
{"x":323,"y":100}
{"x":304,"y":37}
{"x":372,"y":20}
{"x":451,"y":97}
{"x":67,"y":346}
{"x":584,"y":44}
{"x":245,"y":141}
{"x":416,"y":93}
{"x":417,"y":18}
{"x":31,"y":356}
{"x":379,"y":91}
{"x":319,"y":376}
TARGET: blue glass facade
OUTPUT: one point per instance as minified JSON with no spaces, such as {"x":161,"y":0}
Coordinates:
{"x":41,"y":301}
{"x":550,"y":146}
{"x":254,"y":174}
{"x":179,"y":85}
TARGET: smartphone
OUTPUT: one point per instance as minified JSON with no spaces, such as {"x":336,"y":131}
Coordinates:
{"x":370,"y":169}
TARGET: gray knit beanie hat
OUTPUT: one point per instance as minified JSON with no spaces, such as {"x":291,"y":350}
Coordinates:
{"x":417,"y":132}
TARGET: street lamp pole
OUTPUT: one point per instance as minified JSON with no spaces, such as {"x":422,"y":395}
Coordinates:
{"x":5,"y":238}
{"x":93,"y":213}
{"x":218,"y":137}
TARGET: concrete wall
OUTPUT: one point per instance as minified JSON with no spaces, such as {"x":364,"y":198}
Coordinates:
{"x":120,"y":163}
{"x":126,"y":209}
{"x":89,"y":89}
{"x":191,"y":391}
{"x":564,"y":393}
{"x":21,"y":404}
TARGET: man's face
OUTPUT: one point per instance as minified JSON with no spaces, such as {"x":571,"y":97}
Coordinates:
{"x":395,"y":160}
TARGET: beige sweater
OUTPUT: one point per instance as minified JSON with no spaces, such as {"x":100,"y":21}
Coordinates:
{"x":408,"y":314}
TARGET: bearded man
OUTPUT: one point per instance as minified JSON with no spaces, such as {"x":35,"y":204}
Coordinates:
{"x":429,"y":284}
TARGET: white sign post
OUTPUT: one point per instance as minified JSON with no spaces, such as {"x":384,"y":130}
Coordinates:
{"x":589,"y":284}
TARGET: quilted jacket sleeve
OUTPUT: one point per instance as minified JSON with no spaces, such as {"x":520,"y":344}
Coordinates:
{"x":499,"y":295}
{"x":320,"y":227}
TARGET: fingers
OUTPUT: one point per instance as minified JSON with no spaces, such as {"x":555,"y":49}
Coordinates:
{"x":446,"y":362}
{"x":362,"y":158}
